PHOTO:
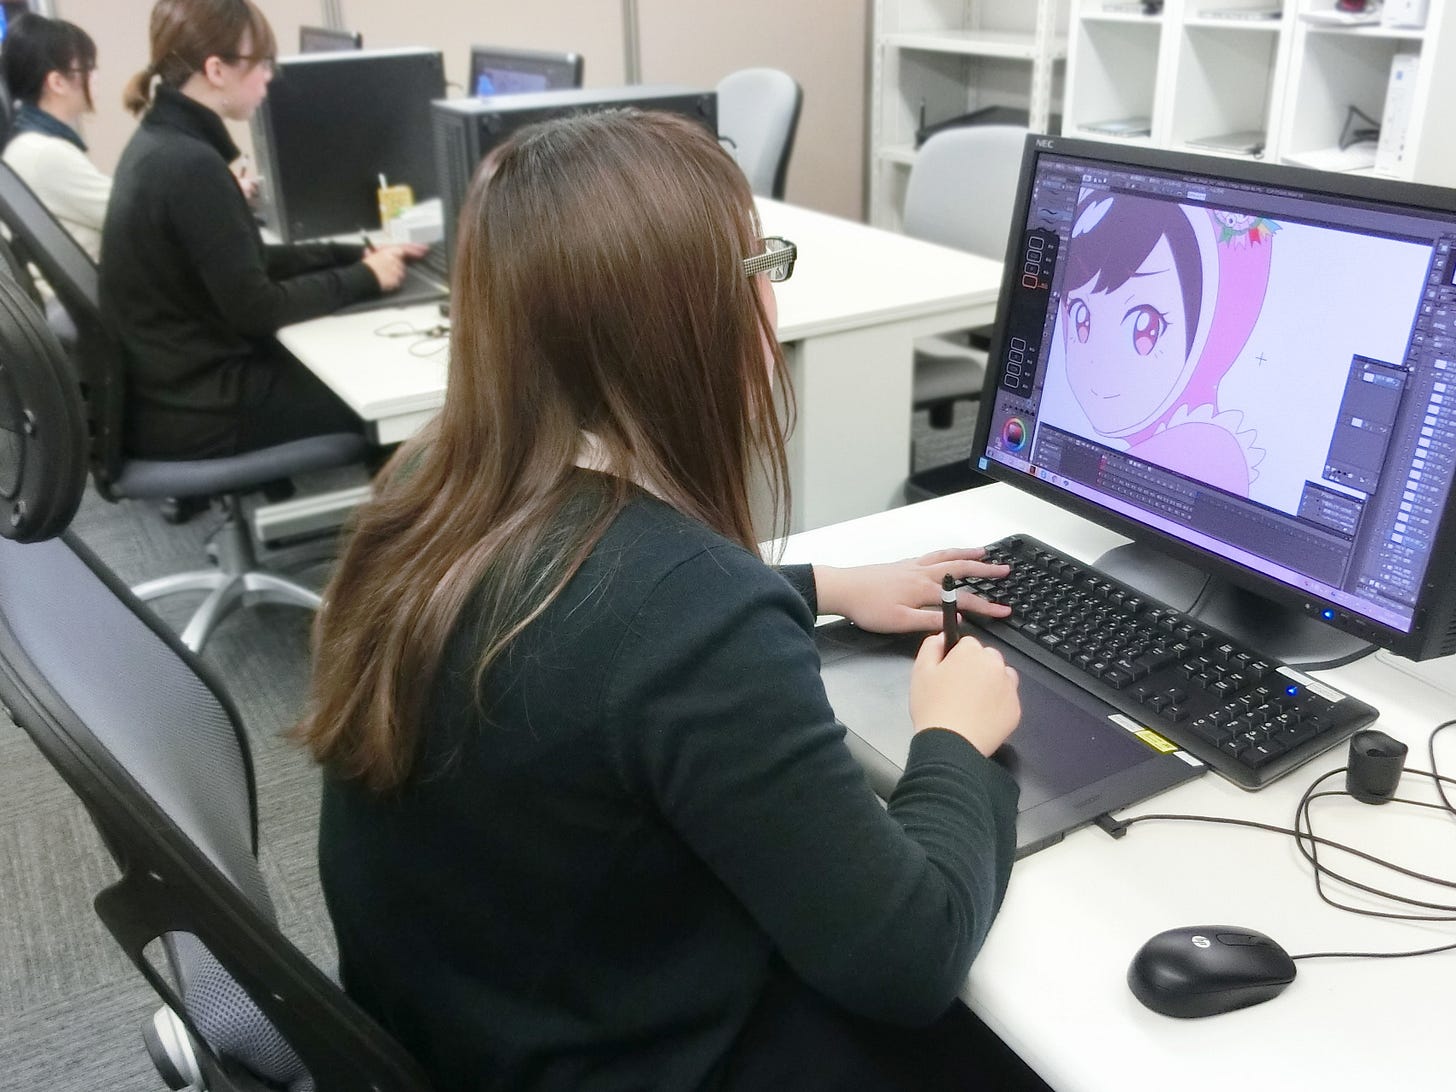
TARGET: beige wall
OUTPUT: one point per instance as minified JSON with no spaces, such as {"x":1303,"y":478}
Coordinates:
{"x":821,"y":43}
{"x":120,"y":30}
{"x":592,"y":28}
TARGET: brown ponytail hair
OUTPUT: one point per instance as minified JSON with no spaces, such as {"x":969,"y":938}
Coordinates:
{"x":598,"y":287}
{"x":184,"y":33}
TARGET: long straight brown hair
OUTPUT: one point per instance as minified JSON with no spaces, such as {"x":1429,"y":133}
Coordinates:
{"x":598,"y":288}
{"x":184,"y":33}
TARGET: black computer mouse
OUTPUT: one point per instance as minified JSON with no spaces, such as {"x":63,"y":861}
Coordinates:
{"x":1208,"y":969}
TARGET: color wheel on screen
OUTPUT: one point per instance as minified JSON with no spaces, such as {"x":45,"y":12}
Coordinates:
{"x":1013,"y":434}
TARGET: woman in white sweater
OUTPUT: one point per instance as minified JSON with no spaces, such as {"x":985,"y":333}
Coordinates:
{"x":48,"y":66}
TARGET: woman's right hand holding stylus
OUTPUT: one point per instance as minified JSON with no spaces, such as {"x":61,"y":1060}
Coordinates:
{"x":970,"y":691}
{"x":387,"y":265}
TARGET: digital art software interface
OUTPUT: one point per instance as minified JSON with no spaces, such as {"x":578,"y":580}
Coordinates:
{"x":1264,"y":373}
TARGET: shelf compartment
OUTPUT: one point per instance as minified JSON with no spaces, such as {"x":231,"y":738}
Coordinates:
{"x":1116,"y":71}
{"x":1224,"y":83}
{"x":949,"y":85}
{"x":1107,"y":138}
{"x":1338,"y":71}
{"x":1404,"y":34}
{"x":1270,"y":27}
{"x":1008,"y":44}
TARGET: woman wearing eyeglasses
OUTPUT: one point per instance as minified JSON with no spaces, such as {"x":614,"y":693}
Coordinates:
{"x":48,"y":66}
{"x":194,"y":294}
{"x":588,"y":819}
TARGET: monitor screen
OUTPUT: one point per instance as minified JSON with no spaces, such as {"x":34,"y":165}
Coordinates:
{"x":500,"y":71}
{"x":327,"y":40}
{"x":1253,"y":365}
{"x":333,"y":124}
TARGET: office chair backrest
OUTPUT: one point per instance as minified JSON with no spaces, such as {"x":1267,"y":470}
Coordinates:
{"x":7,"y":114}
{"x":42,"y":428}
{"x":758,"y":111}
{"x":18,"y":271}
{"x":962,"y":188}
{"x":152,"y":746}
{"x":39,"y":239}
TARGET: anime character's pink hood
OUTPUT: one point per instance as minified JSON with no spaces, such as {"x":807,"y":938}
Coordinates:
{"x":1236,"y":251}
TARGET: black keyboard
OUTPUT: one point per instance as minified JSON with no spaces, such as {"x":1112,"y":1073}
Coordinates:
{"x":435,"y":261}
{"x":1249,"y":717}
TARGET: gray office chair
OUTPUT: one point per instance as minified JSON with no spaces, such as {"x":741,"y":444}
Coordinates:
{"x":237,"y":579}
{"x":758,"y":115}
{"x":960,"y":194}
{"x":151,"y":745}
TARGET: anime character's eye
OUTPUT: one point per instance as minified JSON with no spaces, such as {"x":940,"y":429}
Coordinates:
{"x":1081,"y":320}
{"x":1148,"y":325}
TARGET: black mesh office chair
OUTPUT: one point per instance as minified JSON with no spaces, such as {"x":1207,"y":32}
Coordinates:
{"x":152,"y":746}
{"x":237,"y":578}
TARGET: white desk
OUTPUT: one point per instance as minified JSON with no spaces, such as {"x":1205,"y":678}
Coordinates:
{"x":848,"y":319}
{"x":1051,"y":980}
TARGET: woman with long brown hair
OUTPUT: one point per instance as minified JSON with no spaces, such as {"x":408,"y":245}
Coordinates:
{"x":186,"y":281}
{"x":588,"y":818}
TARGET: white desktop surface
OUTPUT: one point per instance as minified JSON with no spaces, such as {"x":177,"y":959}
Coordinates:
{"x":848,"y":319}
{"x":1051,"y":979}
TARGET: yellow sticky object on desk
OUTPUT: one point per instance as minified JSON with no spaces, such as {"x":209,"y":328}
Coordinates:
{"x":393,"y":200}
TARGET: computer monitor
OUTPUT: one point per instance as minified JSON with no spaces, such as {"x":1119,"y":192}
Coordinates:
{"x":495,"y":70}
{"x":11,"y":10}
{"x":332,"y":125}
{"x":467,"y":129}
{"x":325,"y":40}
{"x":1249,"y":368}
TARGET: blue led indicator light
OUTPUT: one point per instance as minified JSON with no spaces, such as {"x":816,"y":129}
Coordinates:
{"x":1327,"y":614}
{"x":1291,"y":690}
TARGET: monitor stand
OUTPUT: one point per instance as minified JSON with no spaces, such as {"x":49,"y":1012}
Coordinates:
{"x":1272,"y":628}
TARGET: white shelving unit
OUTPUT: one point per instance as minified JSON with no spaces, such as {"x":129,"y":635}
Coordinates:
{"x":1212,"y":70}
{"x":938,"y":59}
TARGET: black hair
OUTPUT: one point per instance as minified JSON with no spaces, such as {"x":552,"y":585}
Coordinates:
{"x":1113,"y":248}
{"x":35,"y":47}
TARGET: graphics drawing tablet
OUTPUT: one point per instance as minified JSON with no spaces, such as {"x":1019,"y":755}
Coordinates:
{"x":1074,"y":756}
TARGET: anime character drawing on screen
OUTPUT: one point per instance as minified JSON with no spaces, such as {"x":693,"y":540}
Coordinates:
{"x":1159,"y":301}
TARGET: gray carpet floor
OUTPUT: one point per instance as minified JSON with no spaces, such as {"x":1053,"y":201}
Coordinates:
{"x":71,"y":1005}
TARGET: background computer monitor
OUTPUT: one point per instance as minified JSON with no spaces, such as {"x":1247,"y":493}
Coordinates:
{"x":325,"y":40}
{"x":332,"y":124}
{"x":1250,"y":368}
{"x":495,"y":70}
{"x":467,"y":129}
{"x":11,"y":10}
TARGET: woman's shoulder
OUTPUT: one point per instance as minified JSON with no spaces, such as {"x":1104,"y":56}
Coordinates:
{"x":168,"y":149}
{"x":41,"y":150}
{"x":655,"y":559}
{"x":651,"y":534}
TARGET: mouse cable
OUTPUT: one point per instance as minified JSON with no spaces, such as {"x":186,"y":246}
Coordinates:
{"x":1308,"y":843}
{"x":1431,"y":750}
{"x":1298,"y":835}
{"x":1304,"y":824}
{"x":1375,"y":955}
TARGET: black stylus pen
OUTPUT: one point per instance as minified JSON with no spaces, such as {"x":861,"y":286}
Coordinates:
{"x":949,"y":613}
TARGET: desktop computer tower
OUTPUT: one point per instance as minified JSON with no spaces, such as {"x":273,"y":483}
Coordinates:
{"x":465,"y":130}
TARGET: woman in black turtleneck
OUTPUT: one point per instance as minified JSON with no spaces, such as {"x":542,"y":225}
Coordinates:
{"x":186,"y":280}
